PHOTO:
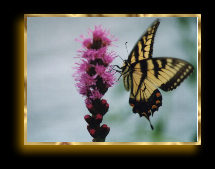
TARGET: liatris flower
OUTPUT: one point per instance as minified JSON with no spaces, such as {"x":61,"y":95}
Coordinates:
{"x":94,"y":77}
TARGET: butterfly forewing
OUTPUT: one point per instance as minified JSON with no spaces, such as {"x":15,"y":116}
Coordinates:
{"x":144,"y":46}
{"x":168,"y":73}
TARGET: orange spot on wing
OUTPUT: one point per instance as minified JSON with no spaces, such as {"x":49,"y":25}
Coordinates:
{"x":157,"y":102}
{"x":154,"y":107}
{"x":158,"y":94}
{"x":132,"y":105}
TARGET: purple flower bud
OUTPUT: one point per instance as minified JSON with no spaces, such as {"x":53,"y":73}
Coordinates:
{"x":88,"y":118}
{"x":89,"y":106}
{"x":98,"y":118}
{"x":104,"y":130}
{"x":104,"y":101}
{"x":92,"y":132}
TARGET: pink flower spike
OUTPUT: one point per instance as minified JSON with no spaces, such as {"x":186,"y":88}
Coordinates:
{"x":96,"y":95}
{"x":93,"y":77}
{"x":82,"y":36}
{"x":87,"y":43}
{"x":100,"y":70}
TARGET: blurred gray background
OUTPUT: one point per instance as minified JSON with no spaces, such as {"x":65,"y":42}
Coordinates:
{"x":55,"y":108}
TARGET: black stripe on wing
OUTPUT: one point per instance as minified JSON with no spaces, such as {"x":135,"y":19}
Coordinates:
{"x":178,"y":78}
{"x":143,"y":49}
{"x":147,"y":108}
{"x":143,"y":68}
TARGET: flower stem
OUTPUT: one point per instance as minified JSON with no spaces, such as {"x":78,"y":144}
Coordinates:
{"x":99,"y":140}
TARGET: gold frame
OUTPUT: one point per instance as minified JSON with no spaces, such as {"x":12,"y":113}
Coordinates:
{"x":89,"y":147}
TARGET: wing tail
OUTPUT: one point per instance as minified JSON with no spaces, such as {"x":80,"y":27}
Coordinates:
{"x":147,"y":107}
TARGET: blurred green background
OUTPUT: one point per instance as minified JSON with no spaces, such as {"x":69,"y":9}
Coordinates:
{"x":55,"y":108}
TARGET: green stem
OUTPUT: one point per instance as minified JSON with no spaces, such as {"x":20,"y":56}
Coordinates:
{"x":99,"y":140}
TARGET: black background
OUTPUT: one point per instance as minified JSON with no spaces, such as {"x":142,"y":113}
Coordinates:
{"x":15,"y":11}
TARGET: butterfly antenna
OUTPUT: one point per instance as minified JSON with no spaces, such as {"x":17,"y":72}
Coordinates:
{"x":126,"y":46}
{"x":120,"y":58}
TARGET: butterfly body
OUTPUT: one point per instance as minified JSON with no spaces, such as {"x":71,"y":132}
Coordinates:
{"x":143,"y":75}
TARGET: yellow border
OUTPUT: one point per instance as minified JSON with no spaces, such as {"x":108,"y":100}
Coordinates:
{"x":81,"y":147}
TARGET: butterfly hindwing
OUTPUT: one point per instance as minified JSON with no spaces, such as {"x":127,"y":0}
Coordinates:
{"x":144,"y":47}
{"x":145,"y":98}
{"x":146,"y":107}
{"x":127,"y":82}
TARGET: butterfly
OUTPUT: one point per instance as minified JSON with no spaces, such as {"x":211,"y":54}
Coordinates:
{"x":143,"y":75}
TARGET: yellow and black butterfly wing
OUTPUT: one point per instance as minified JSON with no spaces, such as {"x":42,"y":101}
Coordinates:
{"x":145,"y":98}
{"x":164,"y":73}
{"x":144,"y":47}
{"x":167,"y":73}
{"x":148,"y":75}
{"x":127,"y":78}
{"x":127,"y":82}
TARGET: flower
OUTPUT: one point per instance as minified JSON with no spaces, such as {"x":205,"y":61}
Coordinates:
{"x":93,"y":77}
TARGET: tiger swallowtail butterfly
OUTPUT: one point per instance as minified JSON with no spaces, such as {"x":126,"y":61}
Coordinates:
{"x":143,"y":75}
